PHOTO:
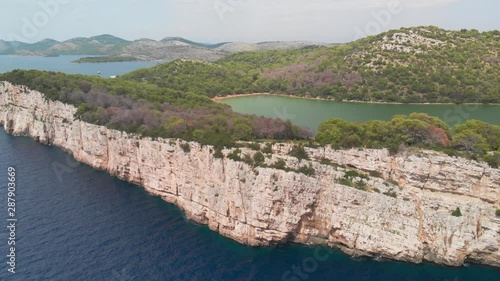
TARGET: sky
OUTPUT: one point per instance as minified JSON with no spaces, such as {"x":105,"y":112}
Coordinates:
{"x":211,"y":21}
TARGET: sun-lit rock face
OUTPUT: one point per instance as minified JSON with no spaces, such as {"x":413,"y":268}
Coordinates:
{"x":403,"y":211}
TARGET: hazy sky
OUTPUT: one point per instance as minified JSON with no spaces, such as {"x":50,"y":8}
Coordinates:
{"x":237,"y":20}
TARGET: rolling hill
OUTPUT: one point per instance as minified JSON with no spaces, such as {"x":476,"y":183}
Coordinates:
{"x":409,"y":65}
{"x":112,"y":47}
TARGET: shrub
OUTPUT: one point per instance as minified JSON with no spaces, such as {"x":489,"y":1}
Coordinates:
{"x":497,"y":213}
{"x":253,"y":145}
{"x":351,"y":174}
{"x":493,"y":159}
{"x":456,"y":213}
{"x":186,"y":147}
{"x":311,"y":144}
{"x":307,"y":170}
{"x":325,"y":161}
{"x":274,"y":177}
{"x":361,"y":185}
{"x":258,"y":158}
{"x":346,"y":182}
{"x":280,"y":164}
{"x":391,"y":193}
{"x":235,"y":155}
{"x":268,"y":148}
{"x":247,"y":159}
{"x":376,"y":174}
{"x":218,"y":153}
{"x":299,"y":152}
{"x":391,"y":181}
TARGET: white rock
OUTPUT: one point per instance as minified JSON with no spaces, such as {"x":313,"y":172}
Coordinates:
{"x":264,"y":206}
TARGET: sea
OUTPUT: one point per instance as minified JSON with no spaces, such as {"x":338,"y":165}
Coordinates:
{"x":76,"y":223}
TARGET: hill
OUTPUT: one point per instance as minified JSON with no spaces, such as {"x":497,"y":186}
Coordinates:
{"x":410,"y":65}
{"x":118,"y":49}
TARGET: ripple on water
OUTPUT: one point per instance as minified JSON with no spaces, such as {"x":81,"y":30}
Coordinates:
{"x":91,"y":226}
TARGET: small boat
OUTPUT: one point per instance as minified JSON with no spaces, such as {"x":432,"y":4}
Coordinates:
{"x":98,"y":72}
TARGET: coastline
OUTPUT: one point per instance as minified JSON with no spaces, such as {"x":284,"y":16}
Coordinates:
{"x":263,"y":206}
{"x":234,"y":96}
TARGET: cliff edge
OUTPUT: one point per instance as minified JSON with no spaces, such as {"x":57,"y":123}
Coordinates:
{"x":364,"y":202}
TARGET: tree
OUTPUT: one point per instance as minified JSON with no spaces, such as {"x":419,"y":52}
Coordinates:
{"x":299,"y":152}
{"x":242,"y":132}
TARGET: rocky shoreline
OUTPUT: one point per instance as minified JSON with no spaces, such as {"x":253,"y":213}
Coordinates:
{"x":402,"y":212}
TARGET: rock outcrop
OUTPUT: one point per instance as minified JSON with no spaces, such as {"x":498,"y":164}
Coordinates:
{"x":397,"y":207}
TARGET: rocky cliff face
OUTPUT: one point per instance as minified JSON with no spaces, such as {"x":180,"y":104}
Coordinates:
{"x":400,"y":209}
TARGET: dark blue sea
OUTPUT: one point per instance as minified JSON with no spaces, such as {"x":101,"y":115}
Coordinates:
{"x":76,"y":223}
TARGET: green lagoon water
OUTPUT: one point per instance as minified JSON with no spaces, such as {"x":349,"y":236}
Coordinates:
{"x":311,"y":113}
{"x":88,"y":225}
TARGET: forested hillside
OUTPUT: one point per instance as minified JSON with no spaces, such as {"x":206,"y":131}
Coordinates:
{"x":410,"y":65}
{"x":172,"y":100}
{"x":153,"y":111}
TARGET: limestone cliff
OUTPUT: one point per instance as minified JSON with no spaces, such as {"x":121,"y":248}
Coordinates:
{"x":403,"y":210}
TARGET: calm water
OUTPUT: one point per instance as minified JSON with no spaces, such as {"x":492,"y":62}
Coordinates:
{"x":64,"y":64}
{"x":311,"y":113}
{"x":87,"y":225}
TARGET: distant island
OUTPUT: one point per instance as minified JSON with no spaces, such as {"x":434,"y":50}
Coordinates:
{"x":411,"y":188}
{"x":109,"y":48}
{"x":105,"y":59}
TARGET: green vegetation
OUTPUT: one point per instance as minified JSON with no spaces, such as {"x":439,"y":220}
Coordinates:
{"x":391,"y":193}
{"x":280,"y":164}
{"x":307,"y":170}
{"x":354,"y":174}
{"x":247,"y":159}
{"x":218,"y":154}
{"x":105,"y":59}
{"x":258,"y":158}
{"x":299,"y":152}
{"x":325,"y":161}
{"x":347,"y":180}
{"x":151,"y":111}
{"x":172,"y":100}
{"x":186,"y":147}
{"x":253,"y":145}
{"x":391,"y":182}
{"x":473,"y":139}
{"x":235,"y":155}
{"x":438,"y":66}
{"x":457,"y":212}
{"x":268,"y":148}
{"x":497,"y":213}
{"x":376,"y":174}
